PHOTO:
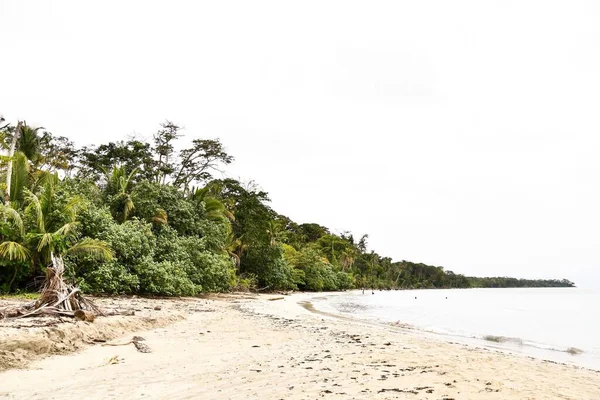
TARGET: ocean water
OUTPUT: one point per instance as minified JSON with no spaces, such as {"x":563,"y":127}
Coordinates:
{"x":558,"y":324}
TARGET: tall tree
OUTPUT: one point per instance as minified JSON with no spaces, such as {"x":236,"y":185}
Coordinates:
{"x":197,"y":162}
{"x":11,"y":153}
{"x":164,"y":148}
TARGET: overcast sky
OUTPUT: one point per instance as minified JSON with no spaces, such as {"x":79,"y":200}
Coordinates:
{"x":464,"y":134}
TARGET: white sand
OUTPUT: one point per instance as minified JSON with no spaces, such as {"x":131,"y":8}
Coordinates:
{"x":251,"y":349}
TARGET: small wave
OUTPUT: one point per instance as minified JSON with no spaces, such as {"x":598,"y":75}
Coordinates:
{"x":573,"y":351}
{"x":503,"y":339}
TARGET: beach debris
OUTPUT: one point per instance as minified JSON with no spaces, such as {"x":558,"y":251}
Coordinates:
{"x":137,"y":342}
{"x":398,"y":390}
{"x":276,"y":298}
{"x":114,"y":360}
{"x":57,"y":298}
{"x":142,"y":347}
{"x":84,"y":315}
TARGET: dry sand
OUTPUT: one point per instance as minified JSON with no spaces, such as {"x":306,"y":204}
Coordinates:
{"x":253,"y":348}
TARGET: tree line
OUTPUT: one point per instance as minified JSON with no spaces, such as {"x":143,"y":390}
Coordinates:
{"x":135,"y":216}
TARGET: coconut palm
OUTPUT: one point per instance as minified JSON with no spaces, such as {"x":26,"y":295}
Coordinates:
{"x":52,"y":237}
{"x":214,"y":209}
{"x":54,"y":234}
{"x":234,"y":247}
{"x":12,"y":234}
{"x":348,"y":257}
{"x":117,"y":186}
{"x":31,"y":141}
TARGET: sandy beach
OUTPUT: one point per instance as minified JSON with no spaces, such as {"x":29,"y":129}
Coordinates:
{"x":247,"y":347}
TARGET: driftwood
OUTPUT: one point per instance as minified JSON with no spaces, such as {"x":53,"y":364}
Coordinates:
{"x":84,"y":315}
{"x":57,"y":298}
{"x":276,"y":298}
{"x":137,"y":342}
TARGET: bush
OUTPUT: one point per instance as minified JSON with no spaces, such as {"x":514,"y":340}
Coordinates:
{"x":268,"y":264}
{"x":111,"y":278}
{"x":344,"y":280}
{"x":165,"y":278}
{"x":318,"y":272}
{"x":149,"y":198}
{"x":132,"y":241}
{"x":246,"y":283}
{"x":214,"y":273}
{"x":94,"y":221}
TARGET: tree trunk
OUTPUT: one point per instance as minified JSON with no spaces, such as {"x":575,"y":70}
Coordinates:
{"x":11,"y":153}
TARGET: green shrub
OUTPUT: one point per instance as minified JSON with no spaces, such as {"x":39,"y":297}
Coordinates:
{"x":246,"y":283}
{"x":344,"y":280}
{"x":213,"y":272}
{"x":268,"y":264}
{"x":132,"y":241}
{"x":111,"y":278}
{"x":165,"y":278}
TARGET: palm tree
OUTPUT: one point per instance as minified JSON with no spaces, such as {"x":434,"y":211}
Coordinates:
{"x":54,"y":237}
{"x":9,"y":168}
{"x":214,"y":209}
{"x":234,"y":247}
{"x":12,"y":232}
{"x":31,"y":141}
{"x":118,"y":185}
{"x":275,"y":232}
{"x":348,"y":258}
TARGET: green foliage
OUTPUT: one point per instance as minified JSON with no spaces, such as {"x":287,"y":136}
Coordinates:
{"x":139,"y":217}
{"x":268,"y":264}
{"x":111,"y":278}
{"x":318,"y":272}
{"x":131,"y":241}
{"x":165,"y":278}
{"x":212,"y":272}
{"x":152,"y":198}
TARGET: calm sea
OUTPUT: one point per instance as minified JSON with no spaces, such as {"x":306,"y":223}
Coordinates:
{"x":558,"y":324}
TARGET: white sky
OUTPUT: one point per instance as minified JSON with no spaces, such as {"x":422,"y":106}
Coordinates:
{"x":463,"y":134}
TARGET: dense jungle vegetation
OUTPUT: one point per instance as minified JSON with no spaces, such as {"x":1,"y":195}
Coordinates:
{"x":140,"y":217}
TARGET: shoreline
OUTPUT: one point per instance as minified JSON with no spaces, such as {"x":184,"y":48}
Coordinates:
{"x":249,"y":347}
{"x":520,"y":346}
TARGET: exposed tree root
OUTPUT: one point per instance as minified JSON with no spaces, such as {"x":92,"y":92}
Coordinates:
{"x":57,"y":298}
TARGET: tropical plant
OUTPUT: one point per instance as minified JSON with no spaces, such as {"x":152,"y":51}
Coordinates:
{"x":117,"y":186}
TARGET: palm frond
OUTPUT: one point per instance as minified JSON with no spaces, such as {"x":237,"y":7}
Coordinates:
{"x":94,"y":248}
{"x":46,"y":241}
{"x":20,"y":176}
{"x":41,"y":179}
{"x":130,"y":177}
{"x":66,"y":229}
{"x":13,"y":251}
{"x":160,"y":217}
{"x":12,"y":214}
{"x":74,"y":206}
{"x":35,"y":206}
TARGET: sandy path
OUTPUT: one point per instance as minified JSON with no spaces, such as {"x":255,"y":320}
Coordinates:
{"x":240,"y":352}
